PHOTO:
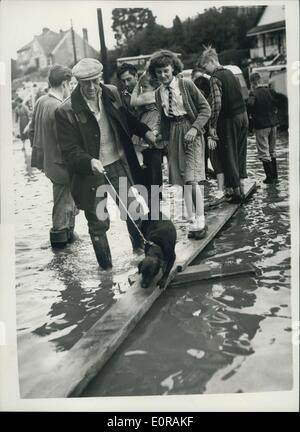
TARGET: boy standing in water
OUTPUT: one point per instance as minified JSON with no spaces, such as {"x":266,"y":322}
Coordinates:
{"x":183,"y":112}
{"x":263,"y":109}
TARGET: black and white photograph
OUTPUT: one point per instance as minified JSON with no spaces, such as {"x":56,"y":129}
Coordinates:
{"x":149,"y":205}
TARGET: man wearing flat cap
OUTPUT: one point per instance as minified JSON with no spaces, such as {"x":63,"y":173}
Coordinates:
{"x":94,"y":131}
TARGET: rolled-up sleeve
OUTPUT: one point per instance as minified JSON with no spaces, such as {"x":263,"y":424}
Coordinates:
{"x":216,"y":101}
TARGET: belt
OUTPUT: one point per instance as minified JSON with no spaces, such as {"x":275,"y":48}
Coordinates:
{"x":178,"y":118}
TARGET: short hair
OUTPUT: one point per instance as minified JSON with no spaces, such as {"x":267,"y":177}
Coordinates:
{"x":126,"y":67}
{"x":195,"y":70}
{"x":255,"y":78}
{"x":164,"y":58}
{"x":203,"y":85}
{"x":147,"y":78}
{"x":208,"y":54}
{"x":58,"y":74}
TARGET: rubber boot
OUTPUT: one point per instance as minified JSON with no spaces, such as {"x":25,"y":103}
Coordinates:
{"x":137,"y":243}
{"x":102,"y":251}
{"x":58,"y":238}
{"x":274,"y":169}
{"x":268,"y":171}
{"x":72,"y":236}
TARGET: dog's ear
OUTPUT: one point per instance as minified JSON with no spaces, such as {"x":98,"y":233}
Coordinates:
{"x":140,"y":266}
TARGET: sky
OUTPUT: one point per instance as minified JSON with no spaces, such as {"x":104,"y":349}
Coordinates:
{"x":26,"y":18}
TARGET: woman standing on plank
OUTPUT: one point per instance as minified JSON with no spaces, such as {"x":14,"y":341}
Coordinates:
{"x":183,"y":112}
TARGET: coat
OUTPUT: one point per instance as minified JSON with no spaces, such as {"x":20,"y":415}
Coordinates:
{"x":262,"y":105}
{"x":23,"y":117}
{"x":46,"y":153}
{"x":79,"y":138}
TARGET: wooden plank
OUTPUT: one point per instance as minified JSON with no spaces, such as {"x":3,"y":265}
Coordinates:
{"x":215,"y":220}
{"x":200,"y":272}
{"x":86,"y":358}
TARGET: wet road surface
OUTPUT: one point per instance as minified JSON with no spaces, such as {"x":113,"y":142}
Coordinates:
{"x":210,"y":337}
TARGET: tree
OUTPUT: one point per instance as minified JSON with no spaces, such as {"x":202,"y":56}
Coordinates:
{"x":127,"y":22}
{"x":178,"y":36}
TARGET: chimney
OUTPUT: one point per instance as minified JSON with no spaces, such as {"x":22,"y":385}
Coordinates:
{"x":45,"y":30}
{"x":85,"y":34}
{"x":85,"y":40}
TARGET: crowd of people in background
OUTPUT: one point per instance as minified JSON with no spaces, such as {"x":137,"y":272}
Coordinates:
{"x":85,"y":133}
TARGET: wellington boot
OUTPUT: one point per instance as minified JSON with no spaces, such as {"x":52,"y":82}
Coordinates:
{"x":58,"y":238}
{"x":274,"y":169}
{"x":102,"y":251}
{"x":268,"y":171}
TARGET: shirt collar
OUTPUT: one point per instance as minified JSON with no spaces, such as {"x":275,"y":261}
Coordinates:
{"x":172,"y":84}
{"x":52,"y":94}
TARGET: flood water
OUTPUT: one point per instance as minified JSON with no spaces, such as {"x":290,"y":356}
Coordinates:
{"x":216,"y":336}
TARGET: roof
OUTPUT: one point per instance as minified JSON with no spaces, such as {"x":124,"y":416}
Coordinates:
{"x":279,"y":25}
{"x":25,"y":47}
{"x":47,"y":40}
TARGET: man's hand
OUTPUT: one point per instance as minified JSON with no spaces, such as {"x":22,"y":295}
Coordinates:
{"x":211,"y":144}
{"x":213,"y":133}
{"x":97,"y":167}
{"x":190,"y":135}
{"x":150,"y":138}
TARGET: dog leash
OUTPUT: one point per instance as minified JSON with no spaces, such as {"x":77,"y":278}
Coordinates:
{"x":128,"y":214}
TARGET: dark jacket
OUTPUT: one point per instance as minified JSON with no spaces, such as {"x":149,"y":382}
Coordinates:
{"x":79,"y":137}
{"x":46,"y":153}
{"x":262,"y":106}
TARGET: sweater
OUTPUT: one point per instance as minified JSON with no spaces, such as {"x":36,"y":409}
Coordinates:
{"x":232,"y":99}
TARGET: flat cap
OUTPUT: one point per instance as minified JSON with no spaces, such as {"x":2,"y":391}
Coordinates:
{"x":87,"y":69}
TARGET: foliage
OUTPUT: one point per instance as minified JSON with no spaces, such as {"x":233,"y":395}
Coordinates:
{"x":225,"y":28}
{"x":128,"y":21}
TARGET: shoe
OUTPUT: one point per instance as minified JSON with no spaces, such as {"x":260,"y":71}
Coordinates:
{"x":196,"y":225}
{"x":228,"y":193}
{"x":58,"y":238}
{"x":102,"y":251}
{"x":198,"y":235}
{"x":268,"y":168}
{"x":218,"y":199}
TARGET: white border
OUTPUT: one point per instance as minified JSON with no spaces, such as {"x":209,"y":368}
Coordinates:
{"x":9,"y":393}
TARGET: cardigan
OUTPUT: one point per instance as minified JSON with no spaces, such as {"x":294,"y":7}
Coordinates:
{"x":195,"y":104}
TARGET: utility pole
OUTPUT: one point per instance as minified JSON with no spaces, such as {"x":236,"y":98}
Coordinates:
{"x":102,"y":47}
{"x":73,"y":43}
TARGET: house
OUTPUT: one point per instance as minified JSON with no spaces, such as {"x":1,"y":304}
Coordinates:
{"x":269,"y":39}
{"x":51,"y":47}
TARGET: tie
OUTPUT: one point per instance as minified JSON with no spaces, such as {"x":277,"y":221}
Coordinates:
{"x":170,"y":110}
